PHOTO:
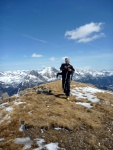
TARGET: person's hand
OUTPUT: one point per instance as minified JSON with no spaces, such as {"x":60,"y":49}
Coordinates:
{"x":69,"y":69}
{"x":65,"y":67}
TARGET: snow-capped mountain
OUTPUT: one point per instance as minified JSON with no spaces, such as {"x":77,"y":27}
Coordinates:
{"x":49,"y":73}
{"x":101,"y":79}
{"x":12,"y":81}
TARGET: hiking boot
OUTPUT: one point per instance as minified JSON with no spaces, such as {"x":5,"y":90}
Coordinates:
{"x":68,"y":98}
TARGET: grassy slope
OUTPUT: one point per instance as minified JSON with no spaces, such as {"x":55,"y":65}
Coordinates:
{"x":84,"y":128}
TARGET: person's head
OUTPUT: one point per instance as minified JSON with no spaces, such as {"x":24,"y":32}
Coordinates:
{"x":67,"y":60}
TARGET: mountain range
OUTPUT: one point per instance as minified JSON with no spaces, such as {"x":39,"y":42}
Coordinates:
{"x":13,"y":81}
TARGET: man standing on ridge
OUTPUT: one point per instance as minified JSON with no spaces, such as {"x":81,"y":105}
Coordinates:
{"x":67,"y":72}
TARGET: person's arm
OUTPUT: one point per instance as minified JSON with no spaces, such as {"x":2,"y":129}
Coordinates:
{"x":59,"y":73}
{"x":62,"y":67}
{"x":71,"y":70}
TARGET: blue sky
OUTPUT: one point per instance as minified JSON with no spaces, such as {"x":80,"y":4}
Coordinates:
{"x":40,"y":33}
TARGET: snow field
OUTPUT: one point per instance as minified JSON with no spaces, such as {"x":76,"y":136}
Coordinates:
{"x":86,"y":93}
{"x":27,"y":144}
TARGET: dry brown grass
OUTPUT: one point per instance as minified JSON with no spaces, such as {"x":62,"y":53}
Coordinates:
{"x":82,"y":128}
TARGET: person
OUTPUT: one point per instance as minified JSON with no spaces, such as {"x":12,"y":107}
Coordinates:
{"x":59,"y":73}
{"x":67,"y":73}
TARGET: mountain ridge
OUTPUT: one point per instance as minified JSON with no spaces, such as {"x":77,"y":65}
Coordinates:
{"x":84,"y":122}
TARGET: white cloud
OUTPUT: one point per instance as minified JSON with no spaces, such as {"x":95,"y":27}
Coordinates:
{"x":34,"y":55}
{"x":52,"y":59}
{"x":86,"y":33}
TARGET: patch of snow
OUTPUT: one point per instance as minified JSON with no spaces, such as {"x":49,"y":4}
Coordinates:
{"x":52,"y":146}
{"x":5,"y":118}
{"x":9,"y":109}
{"x":18,"y":103}
{"x":27,"y":144}
{"x":2,"y":105}
{"x":87,"y":93}
{"x":30,"y":112}
{"x":1,"y":139}
{"x":40,"y":143}
{"x":78,"y":94}
{"x":88,"y":105}
{"x":41,"y":130}
{"x":92,"y":98}
{"x":58,"y":128}
{"x":26,"y":141}
{"x":92,"y":90}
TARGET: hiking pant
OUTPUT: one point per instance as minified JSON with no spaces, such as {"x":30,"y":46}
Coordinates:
{"x":66,"y":86}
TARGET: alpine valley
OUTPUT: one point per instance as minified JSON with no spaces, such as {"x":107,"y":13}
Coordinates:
{"x":13,"y":81}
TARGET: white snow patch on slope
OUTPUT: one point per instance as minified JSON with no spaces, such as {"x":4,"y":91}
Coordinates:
{"x":26,"y":141}
{"x":52,"y":146}
{"x":2,"y":105}
{"x":40,"y":142}
{"x":87,"y":93}
{"x":1,"y":139}
{"x":6,"y":117}
{"x":18,"y":103}
{"x":9,"y":109}
{"x":88,"y":105}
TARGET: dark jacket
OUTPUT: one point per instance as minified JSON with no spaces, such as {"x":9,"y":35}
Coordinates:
{"x":65,"y":72}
